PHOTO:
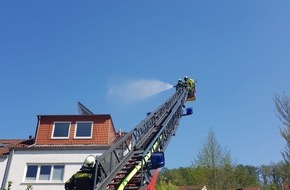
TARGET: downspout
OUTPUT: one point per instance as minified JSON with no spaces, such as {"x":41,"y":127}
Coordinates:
{"x":7,"y":169}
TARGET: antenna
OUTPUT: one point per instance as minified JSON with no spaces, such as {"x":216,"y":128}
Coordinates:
{"x":83,"y":110}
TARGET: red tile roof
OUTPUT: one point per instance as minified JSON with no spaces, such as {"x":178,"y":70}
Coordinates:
{"x":7,"y":144}
{"x":248,"y":188}
{"x":104,"y":135}
{"x":251,"y":188}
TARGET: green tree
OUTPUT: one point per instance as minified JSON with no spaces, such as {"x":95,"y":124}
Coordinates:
{"x":246,"y":176}
{"x":265,"y":173}
{"x":9,"y":185}
{"x":200,"y":174}
{"x":215,"y":164}
{"x":171,"y":176}
{"x":273,"y":175}
{"x":186,"y":176}
{"x":163,"y":183}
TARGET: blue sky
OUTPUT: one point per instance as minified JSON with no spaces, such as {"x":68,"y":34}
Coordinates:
{"x":55,"y":53}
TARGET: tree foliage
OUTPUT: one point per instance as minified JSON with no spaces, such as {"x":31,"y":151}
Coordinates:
{"x":213,"y":167}
{"x":246,"y":176}
{"x":274,"y":175}
{"x":165,"y":183}
{"x":216,"y":163}
{"x":28,"y":187}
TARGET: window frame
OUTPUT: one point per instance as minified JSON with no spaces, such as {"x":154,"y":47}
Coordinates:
{"x":38,"y":174}
{"x":44,"y":175}
{"x":52,"y":173}
{"x":83,"y":137}
{"x":26,"y":171}
{"x":53,"y":130}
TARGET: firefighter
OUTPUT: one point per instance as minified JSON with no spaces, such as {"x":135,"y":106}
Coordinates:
{"x":190,"y":83}
{"x":179,"y":84}
{"x":83,"y":179}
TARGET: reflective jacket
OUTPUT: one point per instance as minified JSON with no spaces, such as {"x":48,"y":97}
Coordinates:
{"x":82,"y":180}
{"x":190,"y":83}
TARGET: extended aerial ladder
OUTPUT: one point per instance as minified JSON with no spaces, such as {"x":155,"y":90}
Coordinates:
{"x":129,"y":163}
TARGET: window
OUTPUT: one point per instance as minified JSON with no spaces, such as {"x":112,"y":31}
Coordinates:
{"x":47,"y":173}
{"x":31,"y":172}
{"x":44,"y":172}
{"x":58,"y":173}
{"x":61,"y":130}
{"x":84,"y":130}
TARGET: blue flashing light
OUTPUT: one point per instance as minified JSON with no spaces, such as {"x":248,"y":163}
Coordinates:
{"x":157,"y":160}
{"x":189,"y":111}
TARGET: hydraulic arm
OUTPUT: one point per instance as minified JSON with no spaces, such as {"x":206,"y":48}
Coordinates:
{"x":127,"y":164}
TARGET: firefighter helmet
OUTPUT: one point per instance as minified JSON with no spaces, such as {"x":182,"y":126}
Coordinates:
{"x":89,"y":161}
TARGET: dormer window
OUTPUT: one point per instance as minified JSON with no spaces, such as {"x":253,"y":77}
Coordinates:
{"x":61,"y":130}
{"x":84,"y":129}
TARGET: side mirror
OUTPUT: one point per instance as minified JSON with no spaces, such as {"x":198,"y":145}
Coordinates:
{"x":157,"y":160}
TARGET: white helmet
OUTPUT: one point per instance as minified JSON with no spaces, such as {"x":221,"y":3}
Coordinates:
{"x":185,"y":78}
{"x":89,"y":161}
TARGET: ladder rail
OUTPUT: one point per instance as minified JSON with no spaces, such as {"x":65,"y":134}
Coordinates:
{"x":168,"y":126}
{"x":110,"y":162}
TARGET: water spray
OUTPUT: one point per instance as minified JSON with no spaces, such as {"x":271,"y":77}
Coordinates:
{"x":138,"y":89}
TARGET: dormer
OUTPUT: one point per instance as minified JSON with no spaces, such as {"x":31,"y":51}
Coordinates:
{"x":75,"y":130}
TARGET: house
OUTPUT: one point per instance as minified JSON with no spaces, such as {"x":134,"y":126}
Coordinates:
{"x":5,"y":145}
{"x":60,"y":145}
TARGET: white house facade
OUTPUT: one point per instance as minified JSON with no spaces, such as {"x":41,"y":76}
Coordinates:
{"x":57,"y":151}
{"x":45,"y":169}
{"x":3,"y":163}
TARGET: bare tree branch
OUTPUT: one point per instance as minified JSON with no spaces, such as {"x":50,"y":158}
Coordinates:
{"x":282,"y":105}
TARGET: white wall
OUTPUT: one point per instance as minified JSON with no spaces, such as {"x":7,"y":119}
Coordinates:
{"x":3,"y":162}
{"x":72,"y":159}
